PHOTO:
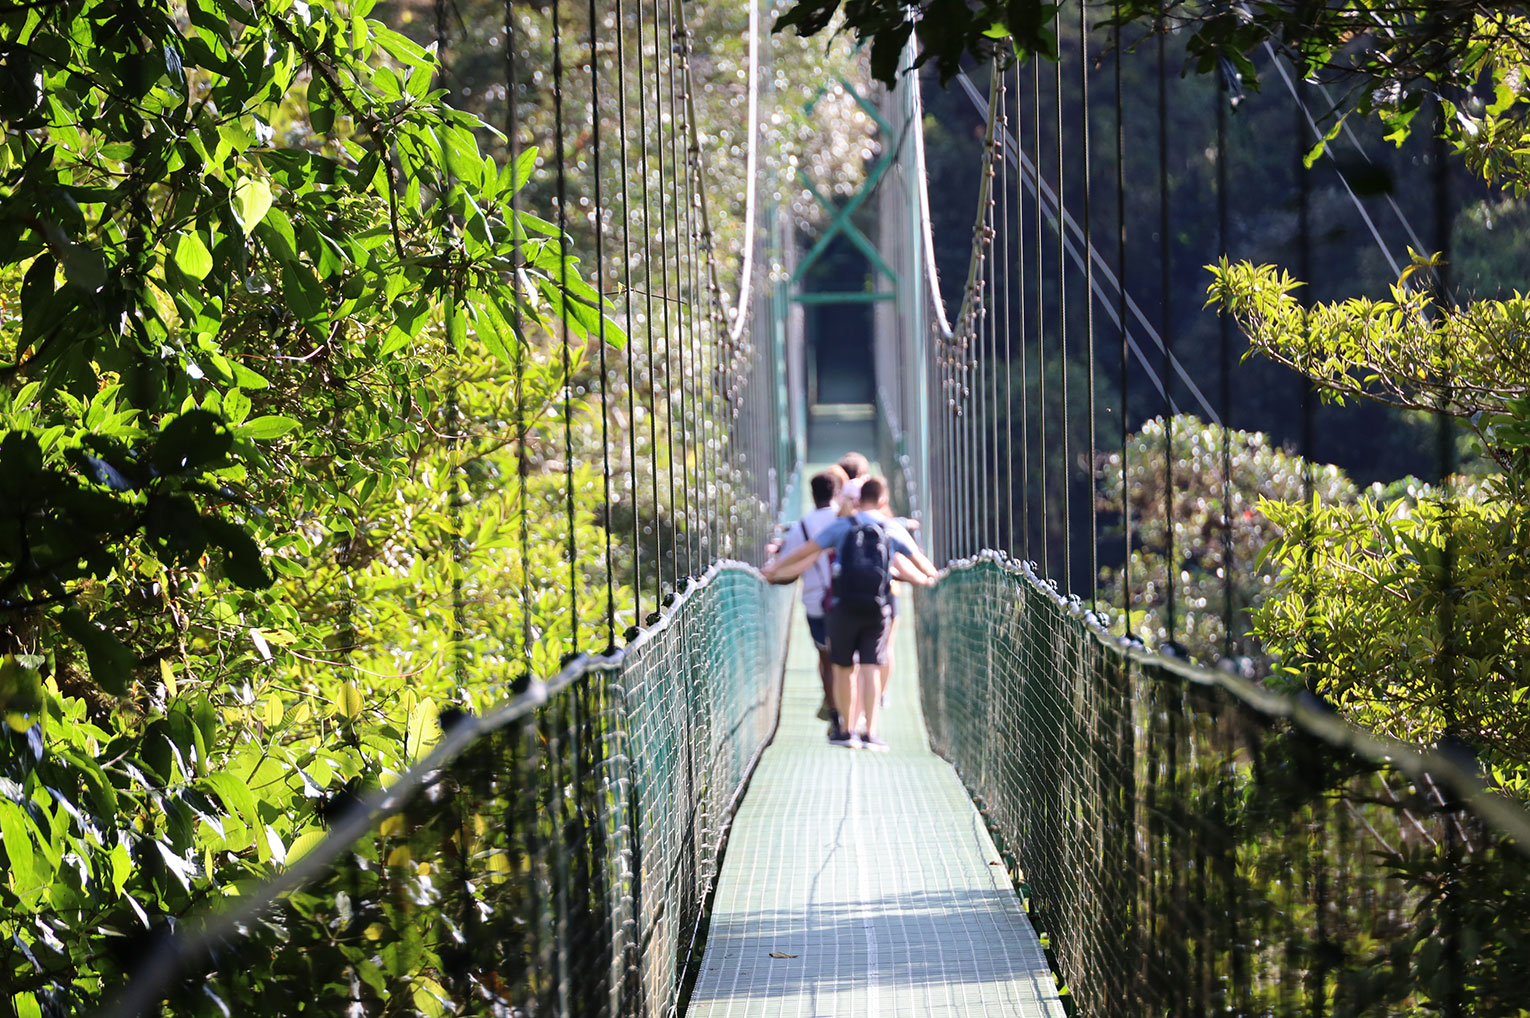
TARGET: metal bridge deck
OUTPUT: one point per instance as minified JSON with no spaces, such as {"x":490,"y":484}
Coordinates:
{"x":865,"y":884}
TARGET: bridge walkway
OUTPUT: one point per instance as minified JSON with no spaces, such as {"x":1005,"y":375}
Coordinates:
{"x":865,"y":884}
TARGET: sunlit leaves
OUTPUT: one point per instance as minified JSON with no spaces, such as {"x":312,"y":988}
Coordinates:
{"x":1406,"y":610}
{"x":251,"y":202}
{"x":241,"y":457}
{"x":267,"y":427}
{"x":192,"y":256}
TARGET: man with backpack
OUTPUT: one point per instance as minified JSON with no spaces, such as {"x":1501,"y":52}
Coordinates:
{"x":825,"y":488}
{"x":868,"y":553}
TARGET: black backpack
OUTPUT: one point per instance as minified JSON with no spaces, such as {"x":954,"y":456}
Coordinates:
{"x":862,"y":577}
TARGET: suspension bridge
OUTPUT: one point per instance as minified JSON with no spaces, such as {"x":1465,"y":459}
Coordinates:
{"x":1067,"y":823}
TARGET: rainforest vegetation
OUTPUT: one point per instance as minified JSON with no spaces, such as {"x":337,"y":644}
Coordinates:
{"x":300,"y":327}
{"x":301,"y":335}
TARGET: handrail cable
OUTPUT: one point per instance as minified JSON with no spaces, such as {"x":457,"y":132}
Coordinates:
{"x":196,"y":937}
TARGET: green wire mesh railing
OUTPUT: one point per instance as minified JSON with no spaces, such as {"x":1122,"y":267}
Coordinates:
{"x":552,"y":858}
{"x":1190,"y":844}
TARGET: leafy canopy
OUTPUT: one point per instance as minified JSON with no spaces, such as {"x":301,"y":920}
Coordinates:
{"x":267,"y":317}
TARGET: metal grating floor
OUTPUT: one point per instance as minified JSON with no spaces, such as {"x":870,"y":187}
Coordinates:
{"x":864,"y":884}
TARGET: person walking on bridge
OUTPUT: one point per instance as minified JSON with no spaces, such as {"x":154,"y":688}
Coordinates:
{"x":869,"y":552}
{"x":857,"y":468}
{"x":825,"y":487}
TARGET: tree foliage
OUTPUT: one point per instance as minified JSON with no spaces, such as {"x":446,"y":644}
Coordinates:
{"x":272,"y":336}
{"x":1176,"y":497}
{"x":1408,"y":612}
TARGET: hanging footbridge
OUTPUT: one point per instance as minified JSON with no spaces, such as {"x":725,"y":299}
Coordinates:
{"x":1066,"y":824}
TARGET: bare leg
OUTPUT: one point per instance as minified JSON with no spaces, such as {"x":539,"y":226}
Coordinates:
{"x":826,"y":676}
{"x":892,"y":624}
{"x":844,"y":692}
{"x":868,"y":686}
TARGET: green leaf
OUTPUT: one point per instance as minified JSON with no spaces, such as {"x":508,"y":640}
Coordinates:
{"x":111,"y":664}
{"x":429,"y":997}
{"x":83,"y":266}
{"x":263,"y":429}
{"x":235,"y":795}
{"x":251,"y":202}
{"x":422,"y":731}
{"x":303,"y":844}
{"x":16,"y":838}
{"x":242,"y":561}
{"x":121,"y":867}
{"x":191,"y":255}
{"x":521,"y":171}
{"x":349,"y":703}
{"x":21,"y":692}
{"x":305,"y":294}
{"x":321,"y":114}
{"x":193,"y":440}
{"x":236,"y":406}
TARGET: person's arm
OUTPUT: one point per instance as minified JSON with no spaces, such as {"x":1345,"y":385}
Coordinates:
{"x":917,"y":564}
{"x":784,"y":544}
{"x":793,"y":565}
{"x":922,"y":561}
{"x":904,"y":568}
{"x":904,"y":542}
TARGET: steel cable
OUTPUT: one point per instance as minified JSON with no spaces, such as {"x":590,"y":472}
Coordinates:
{"x":567,"y":400}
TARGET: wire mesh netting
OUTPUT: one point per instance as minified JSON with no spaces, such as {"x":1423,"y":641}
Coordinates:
{"x":553,"y":859}
{"x":1190,"y":845}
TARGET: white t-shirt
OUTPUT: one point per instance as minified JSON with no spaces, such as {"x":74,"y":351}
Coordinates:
{"x":850,"y":494}
{"x":815,"y":582}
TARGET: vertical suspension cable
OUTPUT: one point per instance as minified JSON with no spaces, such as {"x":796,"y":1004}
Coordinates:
{"x":522,"y":460}
{"x":1224,"y":377}
{"x":1062,"y":331}
{"x":1166,"y":323}
{"x":697,"y":375}
{"x":1083,"y":79}
{"x":1126,"y":498}
{"x":679,"y":298}
{"x":1304,"y":384}
{"x":632,"y":379}
{"x":997,"y":313}
{"x":1020,"y":283}
{"x":665,"y":302}
{"x":568,"y":381}
{"x":1041,"y":346}
{"x":649,"y":318}
{"x":599,"y":274}
{"x":1454,"y":963}
{"x":1008,"y":543}
{"x":990,"y":420}
{"x":1445,"y":427}
{"x":456,"y":484}
{"x":983,"y":333}
{"x":962,"y":474}
{"x":561,"y":894}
